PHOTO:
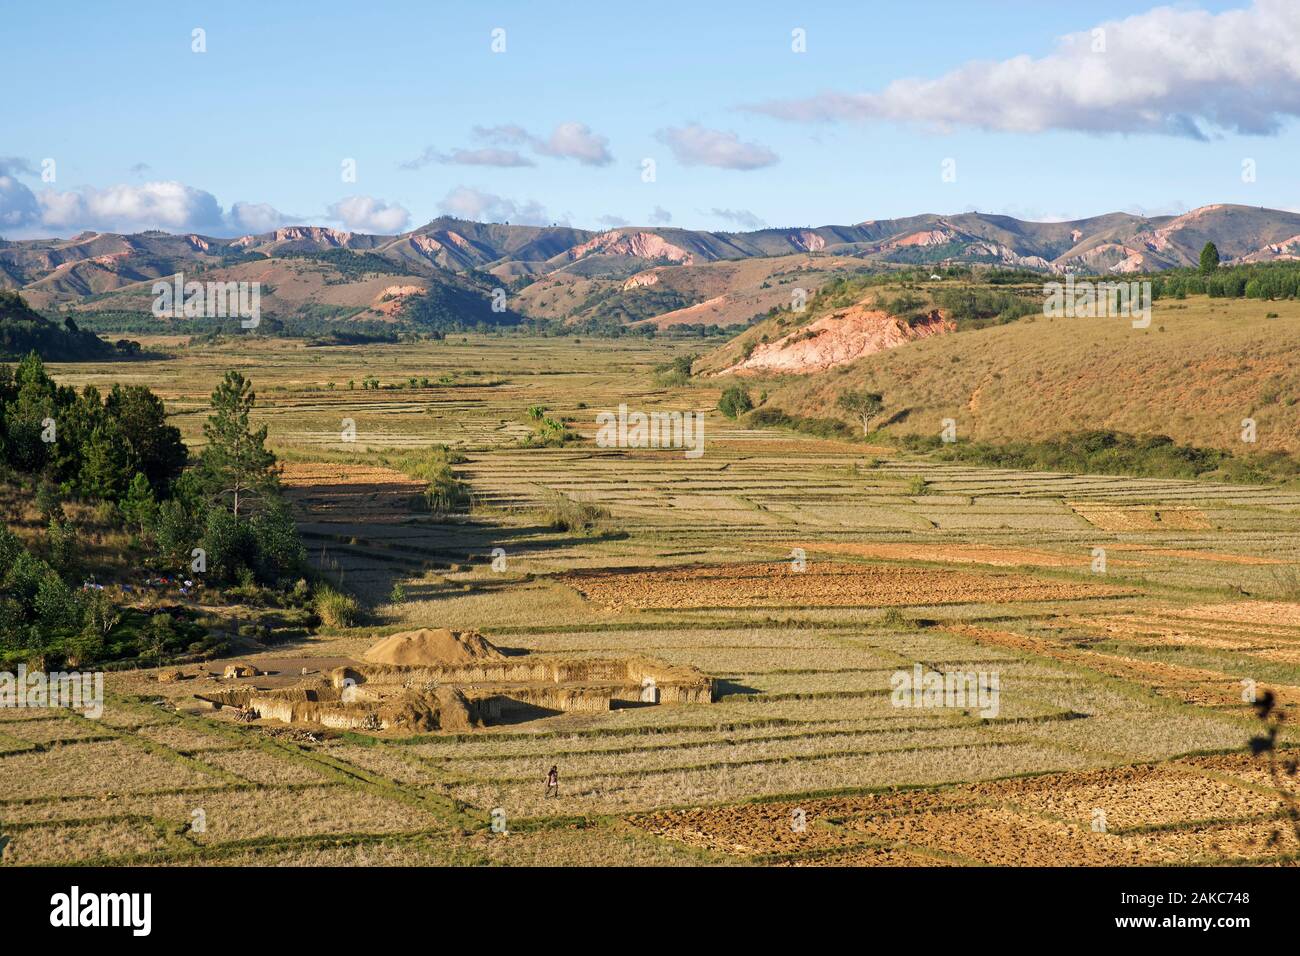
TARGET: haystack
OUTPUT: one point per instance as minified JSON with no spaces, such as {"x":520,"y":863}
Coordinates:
{"x":432,"y":646}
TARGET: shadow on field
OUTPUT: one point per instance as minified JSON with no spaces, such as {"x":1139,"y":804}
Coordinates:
{"x":724,"y":686}
{"x":369,"y":538}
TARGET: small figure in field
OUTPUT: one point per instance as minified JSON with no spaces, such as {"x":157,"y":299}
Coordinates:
{"x":552,"y":783}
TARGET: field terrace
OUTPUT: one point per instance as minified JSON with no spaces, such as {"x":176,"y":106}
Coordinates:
{"x":1119,"y":691}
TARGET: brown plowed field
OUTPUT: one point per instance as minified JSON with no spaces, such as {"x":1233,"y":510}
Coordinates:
{"x":821,"y":585}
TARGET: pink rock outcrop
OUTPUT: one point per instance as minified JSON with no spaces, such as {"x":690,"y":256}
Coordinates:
{"x":837,"y":339}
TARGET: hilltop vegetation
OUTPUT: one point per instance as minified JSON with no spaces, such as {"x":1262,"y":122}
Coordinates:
{"x":1268,"y":280}
{"x":24,"y":330}
{"x":1102,"y":452}
{"x":112,"y":469}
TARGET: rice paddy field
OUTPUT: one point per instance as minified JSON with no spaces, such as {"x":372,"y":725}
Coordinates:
{"x":1125,"y":623}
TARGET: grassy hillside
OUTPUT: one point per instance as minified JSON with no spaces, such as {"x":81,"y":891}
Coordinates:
{"x":970,"y":301}
{"x":1202,"y":367}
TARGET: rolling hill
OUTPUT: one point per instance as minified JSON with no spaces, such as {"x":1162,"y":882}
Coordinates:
{"x":1200,"y":369}
{"x":664,"y":276}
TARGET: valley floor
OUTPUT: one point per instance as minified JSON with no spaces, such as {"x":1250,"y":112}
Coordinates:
{"x":1123,"y":620}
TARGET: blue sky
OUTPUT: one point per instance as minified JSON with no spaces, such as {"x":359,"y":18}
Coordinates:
{"x":743,"y":131}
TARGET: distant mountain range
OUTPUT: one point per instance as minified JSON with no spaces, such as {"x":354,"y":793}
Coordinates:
{"x":631,"y":274}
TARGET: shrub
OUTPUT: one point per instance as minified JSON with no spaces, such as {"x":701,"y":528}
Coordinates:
{"x":676,"y":372}
{"x":61,"y":542}
{"x":565,"y":514}
{"x":334,"y":608}
{"x":48,"y":501}
{"x":895,"y":620}
{"x":735,"y":401}
{"x":446,"y":494}
{"x":1116,"y":453}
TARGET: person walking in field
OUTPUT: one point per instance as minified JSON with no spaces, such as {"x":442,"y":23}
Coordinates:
{"x":552,"y":783}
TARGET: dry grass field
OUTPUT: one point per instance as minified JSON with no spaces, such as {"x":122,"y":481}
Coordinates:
{"x":802,"y":574}
{"x":1201,"y":366}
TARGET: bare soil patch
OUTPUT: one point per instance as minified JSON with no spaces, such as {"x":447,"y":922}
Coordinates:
{"x":822,"y":584}
{"x":1083,"y":818}
{"x":955,"y":554}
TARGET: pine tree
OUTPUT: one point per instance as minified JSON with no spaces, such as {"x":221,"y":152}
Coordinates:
{"x":104,"y":467}
{"x":238,"y":466}
{"x":1209,"y":258}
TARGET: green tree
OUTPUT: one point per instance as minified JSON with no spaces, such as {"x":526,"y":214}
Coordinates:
{"x":230,"y":544}
{"x":1209,"y":258}
{"x":25,"y":414}
{"x":238,"y":467}
{"x":104,"y":473}
{"x":57,"y":608}
{"x":153,"y":447}
{"x":735,"y":401}
{"x":864,"y":405}
{"x":61,"y":545}
{"x":279,"y":549}
{"x":139,"y":509}
{"x":77,"y":417}
{"x":175,"y":532}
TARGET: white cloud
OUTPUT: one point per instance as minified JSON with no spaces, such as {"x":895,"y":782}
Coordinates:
{"x":124,"y":208}
{"x":488,"y":157}
{"x":569,"y":140}
{"x":170,"y":206}
{"x":255,"y":217}
{"x":660,"y":216}
{"x":469,"y":157}
{"x":610,"y":221}
{"x":367,"y":214}
{"x":465,"y":202}
{"x":576,"y":141}
{"x":696,"y":145}
{"x":741,"y":217}
{"x":1171,"y":70}
{"x":16,"y":166}
{"x":62,"y":211}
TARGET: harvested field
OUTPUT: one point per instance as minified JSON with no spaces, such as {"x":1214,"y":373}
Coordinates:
{"x":1142,"y":518}
{"x":1095,"y":818}
{"x":821,"y":585}
{"x":956,"y":554}
{"x":1120,"y":692}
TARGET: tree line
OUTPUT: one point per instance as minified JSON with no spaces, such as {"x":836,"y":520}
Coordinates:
{"x":215,"y":518}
